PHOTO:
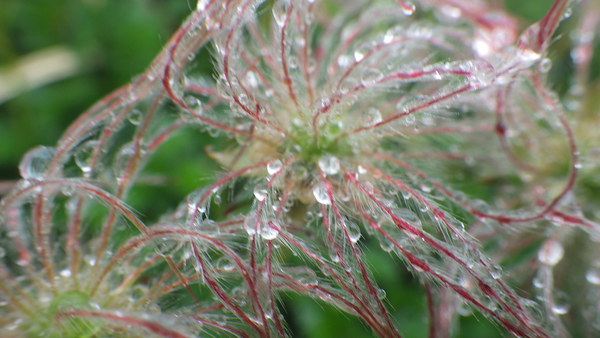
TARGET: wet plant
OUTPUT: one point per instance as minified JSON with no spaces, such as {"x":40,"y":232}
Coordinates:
{"x":429,"y":132}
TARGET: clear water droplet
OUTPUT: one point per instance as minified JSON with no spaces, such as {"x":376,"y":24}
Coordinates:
{"x":250,"y":223}
{"x":135,"y":117}
{"x":83,"y":156}
{"x":329,"y":164}
{"x":593,"y":275}
{"x":568,"y":12}
{"x":321,"y":195}
{"x":528,"y":55}
{"x":408,"y":8}
{"x":373,"y":116}
{"x":251,"y":79}
{"x":545,"y":65}
{"x":35,"y":162}
{"x":303,"y":275}
{"x":270,"y":231}
{"x":551,"y":252}
{"x":560,"y":305}
{"x":353,"y":232}
{"x":360,"y":52}
{"x":274,"y":166}
{"x":260,"y":192}
{"x":386,"y":245}
{"x":371,"y":76}
{"x":344,"y":61}
{"x":280,"y":13}
{"x":496,"y":271}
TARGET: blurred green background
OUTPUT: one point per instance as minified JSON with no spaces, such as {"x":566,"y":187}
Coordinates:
{"x":103,"y":44}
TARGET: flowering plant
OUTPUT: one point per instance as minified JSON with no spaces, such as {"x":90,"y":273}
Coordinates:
{"x":342,"y":126}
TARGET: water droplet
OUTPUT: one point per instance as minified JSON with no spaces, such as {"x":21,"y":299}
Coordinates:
{"x":360,"y":52}
{"x":329,"y":164}
{"x":545,"y":65}
{"x":280,"y":13}
{"x":251,"y":79}
{"x":217,"y":199}
{"x":593,"y":275}
{"x":408,"y":8}
{"x":250,"y":223}
{"x":135,"y":117}
{"x":303,"y":275}
{"x":274,"y":166}
{"x":361,"y":170}
{"x":496,"y":271}
{"x":353,"y":232}
{"x":538,"y":282}
{"x":373,"y":116}
{"x":83,"y":156}
{"x":528,"y":55}
{"x":65,"y":273}
{"x":35,"y":162}
{"x":551,"y":252}
{"x":381,"y":294}
{"x":386,"y":245}
{"x":323,"y":104}
{"x":344,"y":61}
{"x":560,"y":304}
{"x":568,"y":12}
{"x":260,"y":192}
{"x":371,"y":76}
{"x":269,"y":232}
{"x":321,"y":195}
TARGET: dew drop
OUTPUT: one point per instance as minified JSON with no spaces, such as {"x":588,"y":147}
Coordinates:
{"x":408,"y":8}
{"x":260,"y":192}
{"x":353,"y":232}
{"x":371,"y":76}
{"x":135,"y":117}
{"x":551,"y":252}
{"x":568,"y":12}
{"x":496,"y":271}
{"x":321,"y":195}
{"x":303,"y":275}
{"x":344,"y":61}
{"x":250,"y":223}
{"x":329,"y":164}
{"x":36,"y":162}
{"x":83,"y":156}
{"x":65,"y":273}
{"x":545,"y":65}
{"x":560,"y":305}
{"x":360,"y":52}
{"x":269,"y":232}
{"x":373,"y":116}
{"x":528,"y":55}
{"x":381,"y":294}
{"x":280,"y":13}
{"x":251,"y":79}
{"x":593,"y":276}
{"x":274,"y":167}
{"x":386,"y":245}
